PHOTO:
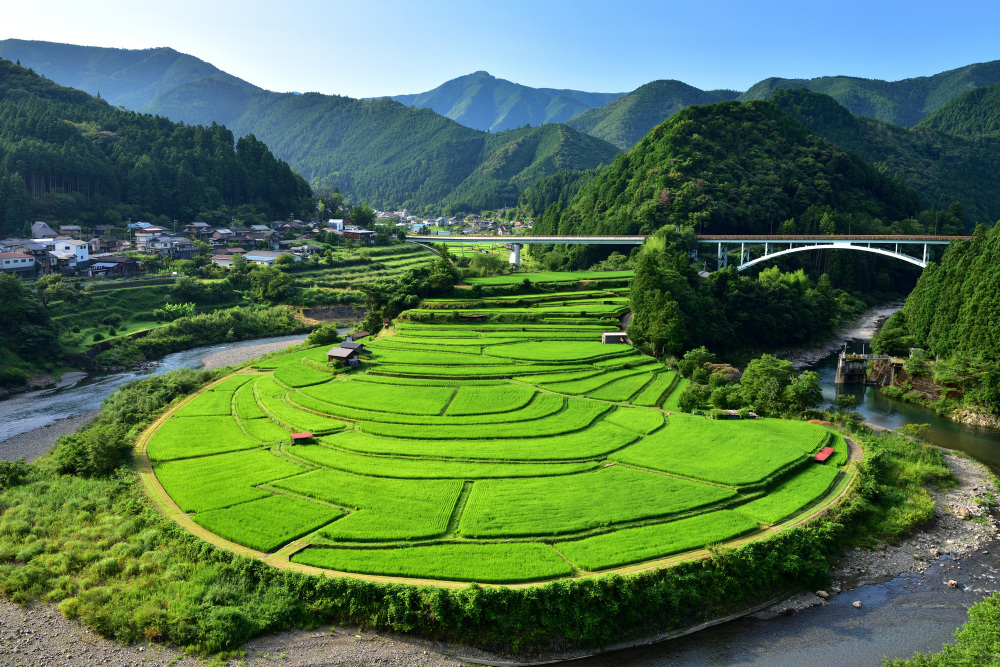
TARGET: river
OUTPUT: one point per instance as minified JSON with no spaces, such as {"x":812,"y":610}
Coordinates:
{"x":907,"y":614}
{"x":33,"y":410}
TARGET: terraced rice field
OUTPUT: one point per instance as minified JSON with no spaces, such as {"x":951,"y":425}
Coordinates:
{"x":481,"y":449}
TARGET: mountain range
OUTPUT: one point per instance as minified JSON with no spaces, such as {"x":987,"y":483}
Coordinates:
{"x":477,"y":142}
{"x":484,"y":102}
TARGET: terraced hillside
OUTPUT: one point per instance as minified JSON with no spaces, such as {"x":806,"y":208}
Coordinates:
{"x":486,"y":443}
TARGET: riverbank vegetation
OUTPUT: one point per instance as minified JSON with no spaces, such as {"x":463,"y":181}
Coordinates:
{"x":951,"y":318}
{"x":90,"y":541}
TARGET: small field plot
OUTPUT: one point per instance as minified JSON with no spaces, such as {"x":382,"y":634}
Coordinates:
{"x":415,"y":468}
{"x":265,"y":430}
{"x":484,"y":563}
{"x":272,"y":398}
{"x":550,"y":351}
{"x":384,"y":398}
{"x":207,"y":404}
{"x":267,"y":523}
{"x":654,"y":392}
{"x":634,"y":545}
{"x":485,"y":400}
{"x":724,"y":452}
{"x":543,"y":406}
{"x":595,"y":441}
{"x":184,"y":437}
{"x":560,"y":505}
{"x":672,"y":402}
{"x":300,"y":375}
{"x":623,"y":389}
{"x":791,"y":496}
{"x":387,"y":509}
{"x":233,"y":383}
{"x":211,"y":482}
{"x":589,"y":384}
{"x":578,"y":415}
{"x":636,"y":419}
{"x":246,"y":402}
{"x":554,"y":277}
{"x":435,"y":358}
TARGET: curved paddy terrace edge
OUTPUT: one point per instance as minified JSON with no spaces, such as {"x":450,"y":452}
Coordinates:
{"x":628,"y":459}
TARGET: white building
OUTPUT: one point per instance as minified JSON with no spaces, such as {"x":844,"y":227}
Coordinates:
{"x":17,"y":262}
{"x":268,"y":257}
{"x":81,"y":249}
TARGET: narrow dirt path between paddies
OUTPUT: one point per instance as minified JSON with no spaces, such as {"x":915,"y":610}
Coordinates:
{"x":282,"y":557}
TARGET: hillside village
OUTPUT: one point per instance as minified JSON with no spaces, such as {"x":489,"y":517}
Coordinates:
{"x":73,"y":250}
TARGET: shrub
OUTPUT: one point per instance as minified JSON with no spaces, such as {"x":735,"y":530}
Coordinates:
{"x":744,"y":413}
{"x":13,"y":377}
{"x":113,"y":320}
{"x":892,"y":392}
{"x":98,"y":337}
{"x":324,"y":335}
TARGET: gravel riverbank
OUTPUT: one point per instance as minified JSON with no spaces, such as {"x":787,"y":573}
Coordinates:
{"x":33,"y":444}
{"x":963,"y":526}
{"x":243,"y":354}
{"x":863,"y":328}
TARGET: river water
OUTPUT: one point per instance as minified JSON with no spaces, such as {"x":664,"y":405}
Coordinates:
{"x":32,"y":410}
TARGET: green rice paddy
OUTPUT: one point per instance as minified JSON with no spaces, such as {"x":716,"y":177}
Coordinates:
{"x":482,"y":449}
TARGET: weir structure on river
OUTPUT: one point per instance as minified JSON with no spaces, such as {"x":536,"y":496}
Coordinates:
{"x":774,"y":245}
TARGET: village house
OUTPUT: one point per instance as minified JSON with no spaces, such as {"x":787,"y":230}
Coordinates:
{"x":197,"y":228}
{"x":40,"y":230}
{"x":343,"y":355}
{"x":71,"y":231}
{"x":113,"y":265}
{"x":360,"y":235}
{"x":144,"y":234}
{"x":267,"y":257}
{"x":18,"y":263}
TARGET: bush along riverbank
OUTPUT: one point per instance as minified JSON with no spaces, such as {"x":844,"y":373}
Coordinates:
{"x":232,"y":324}
{"x":77,"y":530}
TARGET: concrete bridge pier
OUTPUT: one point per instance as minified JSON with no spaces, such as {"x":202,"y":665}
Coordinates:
{"x":515,"y":254}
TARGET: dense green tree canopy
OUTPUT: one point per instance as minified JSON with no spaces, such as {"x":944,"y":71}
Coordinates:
{"x":68,"y":157}
{"x":732,"y":167}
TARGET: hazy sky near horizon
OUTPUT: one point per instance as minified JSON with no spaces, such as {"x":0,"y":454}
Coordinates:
{"x":387,"y":47}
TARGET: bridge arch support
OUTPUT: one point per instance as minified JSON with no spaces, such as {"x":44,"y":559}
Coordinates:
{"x":878,"y":251}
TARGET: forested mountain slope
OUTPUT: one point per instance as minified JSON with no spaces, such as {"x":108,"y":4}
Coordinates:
{"x":942,"y":168}
{"x":732,"y":167}
{"x":389,"y":154}
{"x":484,"y":102}
{"x":903,"y":102}
{"x":972,"y":114}
{"x":379,"y":151}
{"x":126,"y":77}
{"x":626,"y":120}
{"x":952,"y":310}
{"x":68,"y":157}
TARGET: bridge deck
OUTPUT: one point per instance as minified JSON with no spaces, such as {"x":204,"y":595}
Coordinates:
{"x":703,"y":238}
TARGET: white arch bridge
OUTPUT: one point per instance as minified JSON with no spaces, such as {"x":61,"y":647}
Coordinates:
{"x":773,"y":245}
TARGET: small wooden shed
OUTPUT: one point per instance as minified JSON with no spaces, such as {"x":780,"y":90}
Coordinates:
{"x":301,"y":438}
{"x":344,"y":355}
{"x":823,"y":454}
{"x":614,"y":337}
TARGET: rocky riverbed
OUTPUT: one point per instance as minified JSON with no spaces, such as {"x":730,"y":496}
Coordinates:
{"x":964,"y":524}
{"x":33,"y":444}
{"x":239,"y":355}
{"x":863,"y":328}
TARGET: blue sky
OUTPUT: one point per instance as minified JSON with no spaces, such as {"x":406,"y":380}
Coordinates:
{"x":378,"y":47}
